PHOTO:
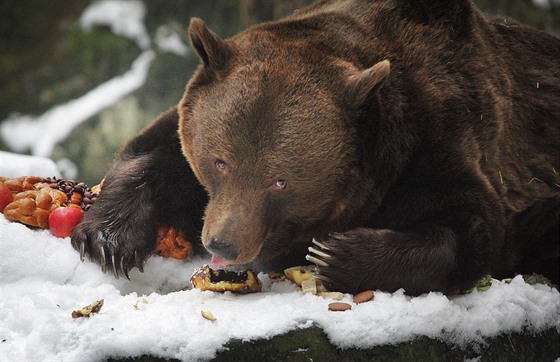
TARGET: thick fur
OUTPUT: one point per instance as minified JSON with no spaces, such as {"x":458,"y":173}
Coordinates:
{"x":419,"y":141}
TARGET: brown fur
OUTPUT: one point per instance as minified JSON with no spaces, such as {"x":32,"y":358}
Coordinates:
{"x":418,"y":140}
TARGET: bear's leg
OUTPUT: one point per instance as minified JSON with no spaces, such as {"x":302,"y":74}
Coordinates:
{"x":150,"y":184}
{"x":422,"y":259}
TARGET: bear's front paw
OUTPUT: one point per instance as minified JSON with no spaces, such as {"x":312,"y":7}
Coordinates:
{"x":114,"y":244}
{"x":419,"y":260}
{"x":340,"y":262}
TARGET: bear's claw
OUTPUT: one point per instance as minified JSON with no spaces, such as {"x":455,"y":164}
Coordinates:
{"x":318,"y":252}
{"x":114,"y":265}
{"x":123,"y":269}
{"x":115,"y":273}
{"x":316,"y":256}
{"x":316,"y":261}
{"x":103,"y":259}
{"x":82,"y":251}
{"x":138,"y":262}
{"x":320,"y":244}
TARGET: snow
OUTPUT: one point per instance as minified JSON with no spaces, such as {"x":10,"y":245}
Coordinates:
{"x":15,"y":165}
{"x":124,"y":17}
{"x":42,"y":133}
{"x":546,"y":4}
{"x":168,"y":40}
{"x":42,"y":281}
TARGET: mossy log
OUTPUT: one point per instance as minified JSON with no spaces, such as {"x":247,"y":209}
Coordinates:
{"x":312,"y":344}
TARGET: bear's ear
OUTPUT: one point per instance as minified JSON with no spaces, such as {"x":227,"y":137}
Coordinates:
{"x":362,"y":85}
{"x":212,"y":50}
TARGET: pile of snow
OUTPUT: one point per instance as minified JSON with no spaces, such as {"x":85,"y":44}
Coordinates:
{"x":124,"y":17}
{"x":42,"y":281}
{"x":15,"y":165}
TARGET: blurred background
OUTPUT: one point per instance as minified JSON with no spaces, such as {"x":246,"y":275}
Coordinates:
{"x":80,"y":77}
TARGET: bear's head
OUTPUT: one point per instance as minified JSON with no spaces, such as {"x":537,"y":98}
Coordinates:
{"x":268,"y":126}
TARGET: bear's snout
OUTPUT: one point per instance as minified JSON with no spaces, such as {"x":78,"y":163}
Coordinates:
{"x":222,"y":248}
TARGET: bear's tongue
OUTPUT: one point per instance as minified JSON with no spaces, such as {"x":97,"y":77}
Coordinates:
{"x":217,"y":261}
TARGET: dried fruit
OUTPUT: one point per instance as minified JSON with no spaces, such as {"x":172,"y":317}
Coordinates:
{"x":309,"y":286}
{"x":298,"y":274}
{"x":89,"y":310}
{"x":172,"y":244}
{"x":97,"y":188}
{"x":208,"y":315}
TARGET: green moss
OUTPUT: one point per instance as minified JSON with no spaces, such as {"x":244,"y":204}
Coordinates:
{"x":313,"y":344}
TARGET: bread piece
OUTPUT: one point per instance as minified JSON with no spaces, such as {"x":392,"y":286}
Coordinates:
{"x":219,"y":280}
{"x":34,"y":206}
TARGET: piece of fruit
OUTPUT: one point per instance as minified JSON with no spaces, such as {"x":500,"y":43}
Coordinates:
{"x":5,"y":196}
{"x":298,"y":274}
{"x":171,"y":243}
{"x":89,"y":310}
{"x":63,"y":220}
{"x":208,"y":315}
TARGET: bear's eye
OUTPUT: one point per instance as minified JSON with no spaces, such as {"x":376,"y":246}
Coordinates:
{"x":220,"y":165}
{"x":280,"y":184}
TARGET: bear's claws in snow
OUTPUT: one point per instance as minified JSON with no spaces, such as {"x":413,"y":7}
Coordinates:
{"x":117,"y":268}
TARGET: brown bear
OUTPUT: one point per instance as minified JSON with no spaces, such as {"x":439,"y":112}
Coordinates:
{"x":415,"y":142}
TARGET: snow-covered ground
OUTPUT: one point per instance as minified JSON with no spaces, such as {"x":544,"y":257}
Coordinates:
{"x":42,"y":281}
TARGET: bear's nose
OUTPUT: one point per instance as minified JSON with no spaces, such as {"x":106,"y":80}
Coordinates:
{"x":222,"y":248}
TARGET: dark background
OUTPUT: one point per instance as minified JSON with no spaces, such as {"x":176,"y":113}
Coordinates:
{"x":46,"y":59}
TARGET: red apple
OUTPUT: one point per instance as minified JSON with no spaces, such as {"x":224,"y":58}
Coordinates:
{"x":5,"y":196}
{"x":63,"y":220}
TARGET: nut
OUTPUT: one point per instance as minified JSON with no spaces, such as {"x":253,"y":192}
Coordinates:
{"x":339,"y":307}
{"x":364,"y":296}
{"x":208,"y":315}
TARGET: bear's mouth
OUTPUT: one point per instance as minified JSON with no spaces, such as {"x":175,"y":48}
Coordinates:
{"x":219,"y":262}
{"x":247,"y":254}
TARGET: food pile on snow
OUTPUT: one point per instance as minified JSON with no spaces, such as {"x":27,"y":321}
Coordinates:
{"x":45,"y":203}
{"x":59,"y":205}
